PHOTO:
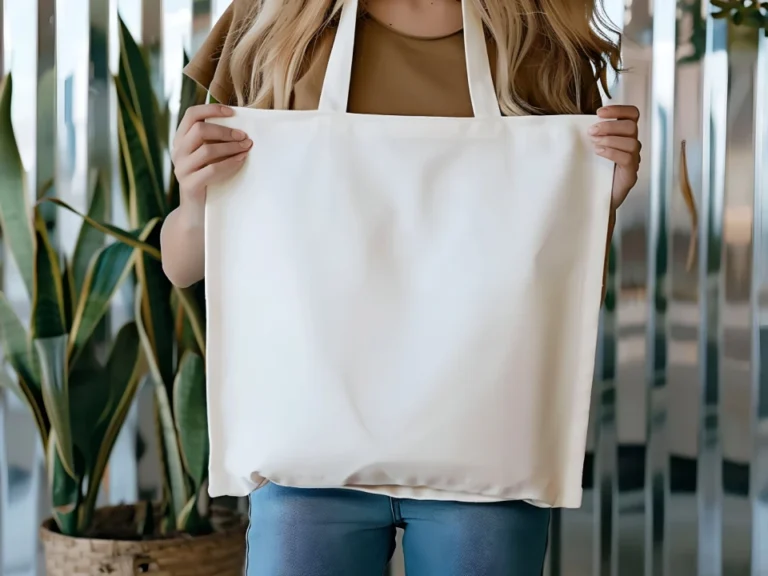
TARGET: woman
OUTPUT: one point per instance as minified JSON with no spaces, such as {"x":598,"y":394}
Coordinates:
{"x":408,"y":60}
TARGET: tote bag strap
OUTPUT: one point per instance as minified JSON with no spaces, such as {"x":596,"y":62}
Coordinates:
{"x":335,"y":94}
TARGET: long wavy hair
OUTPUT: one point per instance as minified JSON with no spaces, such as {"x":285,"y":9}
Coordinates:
{"x":550,"y":54}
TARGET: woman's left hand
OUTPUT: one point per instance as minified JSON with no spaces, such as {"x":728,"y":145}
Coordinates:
{"x":615,"y":138}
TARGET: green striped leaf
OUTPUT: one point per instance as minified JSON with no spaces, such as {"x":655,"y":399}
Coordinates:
{"x":169,"y":445}
{"x":49,"y":318}
{"x":129,"y":238}
{"x":89,"y":396}
{"x":15,"y":210}
{"x":109,"y":268}
{"x":68,"y":294}
{"x":164,"y":122}
{"x":145,"y":188}
{"x":191,"y":95}
{"x":121,"y":376}
{"x":190,"y":409}
{"x":192,"y":315}
{"x":65,"y":489}
{"x":54,"y":373}
{"x":90,"y":239}
{"x":135,"y":82}
{"x":190,"y":521}
{"x":157,"y":313}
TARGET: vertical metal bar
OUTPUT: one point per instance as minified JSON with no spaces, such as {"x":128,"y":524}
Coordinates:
{"x":45,"y":161}
{"x":2,"y":38}
{"x":662,"y":157}
{"x":70,"y":115}
{"x":101,"y":113}
{"x":759,"y":466}
{"x":605,"y":540}
{"x":710,"y":452}
{"x":130,"y":12}
{"x":606,"y":488}
{"x":683,"y":358}
{"x":201,"y":22}
{"x":4,"y":503}
{"x":632,"y":306}
{"x":735,"y":318}
{"x":152,"y":40}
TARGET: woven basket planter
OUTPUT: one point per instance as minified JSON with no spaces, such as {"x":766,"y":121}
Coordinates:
{"x":221,"y":553}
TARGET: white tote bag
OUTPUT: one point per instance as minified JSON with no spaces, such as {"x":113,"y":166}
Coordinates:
{"x":406,"y":301}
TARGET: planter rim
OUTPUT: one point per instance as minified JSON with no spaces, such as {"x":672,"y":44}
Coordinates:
{"x":221,"y":552}
{"x":48,"y":530}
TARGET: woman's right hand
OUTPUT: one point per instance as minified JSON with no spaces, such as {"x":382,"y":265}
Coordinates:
{"x":205,"y":153}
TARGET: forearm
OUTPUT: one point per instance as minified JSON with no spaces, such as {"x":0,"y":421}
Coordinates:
{"x":182,"y":240}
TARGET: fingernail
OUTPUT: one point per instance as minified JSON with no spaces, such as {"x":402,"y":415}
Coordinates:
{"x":246,"y":143}
{"x":600,"y":149}
{"x":241,"y":157}
{"x":593,"y":130}
{"x":227,"y":111}
{"x":238,"y":134}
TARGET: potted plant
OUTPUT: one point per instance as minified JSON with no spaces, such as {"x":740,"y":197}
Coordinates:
{"x":80,"y":400}
{"x":78,"y":397}
{"x":170,"y":321}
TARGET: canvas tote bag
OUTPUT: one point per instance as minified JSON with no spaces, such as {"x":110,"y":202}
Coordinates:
{"x":405,"y":300}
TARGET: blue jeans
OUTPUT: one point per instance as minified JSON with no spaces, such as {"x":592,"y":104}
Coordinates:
{"x":325,"y":532}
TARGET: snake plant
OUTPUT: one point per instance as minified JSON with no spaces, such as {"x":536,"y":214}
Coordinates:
{"x":78,"y":396}
{"x":169,"y":320}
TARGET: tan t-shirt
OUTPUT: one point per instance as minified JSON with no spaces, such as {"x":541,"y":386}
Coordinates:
{"x":392,"y":73}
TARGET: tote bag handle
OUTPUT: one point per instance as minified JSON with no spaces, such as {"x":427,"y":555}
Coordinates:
{"x":335,"y":94}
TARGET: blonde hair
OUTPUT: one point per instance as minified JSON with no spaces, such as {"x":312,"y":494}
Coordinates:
{"x":550,"y":54}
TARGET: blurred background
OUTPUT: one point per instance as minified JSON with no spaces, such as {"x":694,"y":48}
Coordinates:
{"x":676,"y":474}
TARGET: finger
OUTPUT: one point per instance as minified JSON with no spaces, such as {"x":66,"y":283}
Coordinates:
{"x":631,"y":145}
{"x":202,"y":132}
{"x":211,"y":153}
{"x":618,"y":157}
{"x":619,"y":112}
{"x":217,"y":171}
{"x":615,"y":128}
{"x":202,"y":112}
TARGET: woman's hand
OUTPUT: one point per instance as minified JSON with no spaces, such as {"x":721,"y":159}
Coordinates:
{"x":205,"y":153}
{"x":616,"y":140}
{"x":202,"y":154}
